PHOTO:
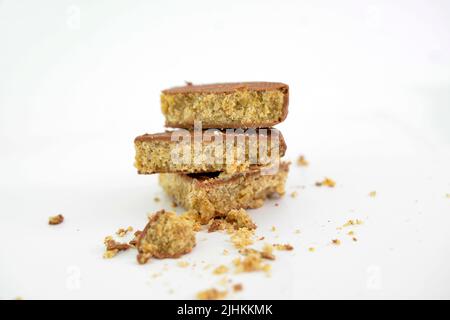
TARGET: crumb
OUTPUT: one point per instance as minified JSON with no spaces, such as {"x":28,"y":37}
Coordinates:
{"x":301,"y":161}
{"x":354,"y":239}
{"x":353,"y":223}
{"x":240,"y":219}
{"x":351,"y":233}
{"x":327,"y":182}
{"x":373,"y":194}
{"x":266,"y":253}
{"x":283,"y":247}
{"x":238,"y":287}
{"x":183,"y":264}
{"x":336,"y":242}
{"x":108,"y":254}
{"x":297,"y":231}
{"x":157,"y":199}
{"x":55,"y":220}
{"x":251,"y":263}
{"x":311,"y":249}
{"x":113,"y":247}
{"x":273,"y":229}
{"x":294,"y":194}
{"x":211,"y":294}
{"x":174,"y":205}
{"x":277,"y":204}
{"x":220,"y":270}
{"x":166,"y":235}
{"x":262,"y":238}
{"x":225,"y":252}
{"x":123,"y":232}
{"x":242,"y":238}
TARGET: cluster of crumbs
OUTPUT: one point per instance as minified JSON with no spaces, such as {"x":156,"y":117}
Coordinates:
{"x":113,"y":247}
{"x":327,"y":182}
{"x":123,"y":232}
{"x":251,"y":263}
{"x":242,"y":238}
{"x":265,"y":253}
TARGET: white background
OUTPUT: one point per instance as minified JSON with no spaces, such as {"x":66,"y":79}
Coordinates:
{"x":370,"y":108}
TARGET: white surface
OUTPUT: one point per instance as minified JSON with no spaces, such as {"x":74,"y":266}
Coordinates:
{"x":370,"y":108}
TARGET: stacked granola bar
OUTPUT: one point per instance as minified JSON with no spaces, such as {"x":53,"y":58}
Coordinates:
{"x":223,"y":153}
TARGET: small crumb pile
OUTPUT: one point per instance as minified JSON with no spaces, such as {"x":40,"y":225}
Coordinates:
{"x":251,"y":263}
{"x":113,"y":247}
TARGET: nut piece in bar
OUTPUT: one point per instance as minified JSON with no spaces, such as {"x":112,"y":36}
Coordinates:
{"x":184,"y":151}
{"x":216,"y":194}
{"x":226,"y":105}
{"x":166,"y":235}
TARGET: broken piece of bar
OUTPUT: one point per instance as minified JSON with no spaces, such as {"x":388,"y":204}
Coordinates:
{"x":226,"y":105}
{"x":166,"y":235}
{"x":184,"y":151}
{"x":215,"y":194}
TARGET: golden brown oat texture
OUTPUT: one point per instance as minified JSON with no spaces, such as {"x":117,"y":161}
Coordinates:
{"x":193,"y":217}
{"x":226,"y":105}
{"x":215,"y":194}
{"x":242,"y":238}
{"x":327,"y":182}
{"x":211,"y":294}
{"x":302,"y":162}
{"x":166,"y":235}
{"x":240,"y":219}
{"x":55,"y":220}
{"x":219,"y":150}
